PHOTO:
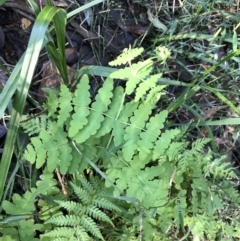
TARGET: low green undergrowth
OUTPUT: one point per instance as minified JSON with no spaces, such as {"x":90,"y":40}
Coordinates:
{"x":129,"y":176}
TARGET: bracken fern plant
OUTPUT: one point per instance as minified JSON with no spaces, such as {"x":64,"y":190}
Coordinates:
{"x":173,"y":188}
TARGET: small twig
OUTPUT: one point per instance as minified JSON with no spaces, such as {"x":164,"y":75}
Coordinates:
{"x":61,"y":182}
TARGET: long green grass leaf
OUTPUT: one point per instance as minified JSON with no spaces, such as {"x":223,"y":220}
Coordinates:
{"x":25,"y":78}
{"x":58,"y":55}
{"x":84,"y":7}
{"x":194,"y":86}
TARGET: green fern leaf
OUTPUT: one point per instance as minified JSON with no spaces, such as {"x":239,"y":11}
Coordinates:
{"x":21,"y":205}
{"x":197,"y":225}
{"x":81,"y":216}
{"x":133,"y":74}
{"x":81,"y":102}
{"x":140,"y":184}
{"x":65,"y":104}
{"x":52,"y":149}
{"x":163,"y":142}
{"x":41,"y":153}
{"x":67,"y":234}
{"x":47,"y":184}
{"x":199,"y":144}
{"x":122,"y":74}
{"x":67,"y":220}
{"x":77,"y":162}
{"x":86,"y":185}
{"x":66,"y":158}
{"x":102,"y":100}
{"x":120,"y":124}
{"x":64,"y":232}
{"x":30,"y":153}
{"x":45,"y":147}
{"x":91,"y":226}
{"x":82,"y":193}
{"x":63,"y":147}
{"x":138,"y":73}
{"x":146,"y":85}
{"x":111,"y":113}
{"x":155,"y":93}
{"x":82,"y":234}
{"x":151,"y":134}
{"x":71,"y":206}
{"x":52,"y":103}
{"x":96,"y":213}
{"x":174,"y":150}
{"x":34,"y":126}
{"x":104,"y":203}
{"x":137,"y":123}
{"x":127,"y":56}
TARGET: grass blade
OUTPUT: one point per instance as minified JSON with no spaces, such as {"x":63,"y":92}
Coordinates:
{"x":27,"y":70}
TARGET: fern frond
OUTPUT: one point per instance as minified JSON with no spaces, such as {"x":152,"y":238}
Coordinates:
{"x":86,"y":185}
{"x":111,"y":114}
{"x":102,"y":101}
{"x":198,"y":226}
{"x":68,"y":234}
{"x":96,"y":213}
{"x":192,"y":155}
{"x":34,"y":126}
{"x":106,"y":204}
{"x":229,"y":192}
{"x":155,"y":93}
{"x":120,"y":124}
{"x":91,"y":226}
{"x":52,"y":145}
{"x":65,"y":105}
{"x":67,"y":220}
{"x":199,"y":144}
{"x":138,"y":72}
{"x":81,"y":102}
{"x":223,"y":169}
{"x":82,"y":234}
{"x":82,"y":215}
{"x":78,"y":164}
{"x":149,"y":137}
{"x":132,"y":132}
{"x":62,"y":232}
{"x":174,"y":151}
{"x":65,"y":151}
{"x":81,"y":193}
{"x":42,"y":150}
{"x":146,"y":85}
{"x":134,"y":74}
{"x":127,"y":56}
{"x":163,"y":142}
{"x":71,"y":206}
{"x":25,"y":204}
{"x":52,"y":103}
{"x":36,"y":151}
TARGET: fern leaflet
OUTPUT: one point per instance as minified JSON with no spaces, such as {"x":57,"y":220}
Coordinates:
{"x":81,"y":101}
{"x":127,"y":56}
{"x":102,"y":101}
